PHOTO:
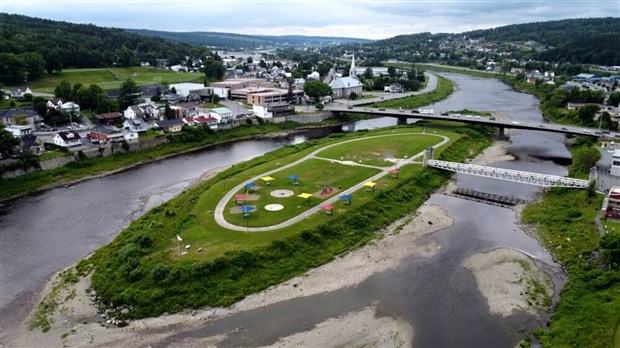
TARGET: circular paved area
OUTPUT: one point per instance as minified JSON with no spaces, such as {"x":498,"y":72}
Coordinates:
{"x":282,"y":193}
{"x":274,"y":207}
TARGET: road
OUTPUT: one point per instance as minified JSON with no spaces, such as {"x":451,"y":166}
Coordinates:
{"x":222,"y":204}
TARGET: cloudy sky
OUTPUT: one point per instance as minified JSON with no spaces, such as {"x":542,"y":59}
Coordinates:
{"x":377,"y":19}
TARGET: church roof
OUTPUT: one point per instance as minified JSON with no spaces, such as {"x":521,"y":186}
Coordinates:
{"x":345,"y":82}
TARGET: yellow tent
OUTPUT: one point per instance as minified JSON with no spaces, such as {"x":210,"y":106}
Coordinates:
{"x":267,"y":178}
{"x":370,"y":184}
{"x":304,"y":195}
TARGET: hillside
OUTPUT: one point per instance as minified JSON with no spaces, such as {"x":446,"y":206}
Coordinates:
{"x":236,"y":41}
{"x":585,"y":41}
{"x":31,"y":47}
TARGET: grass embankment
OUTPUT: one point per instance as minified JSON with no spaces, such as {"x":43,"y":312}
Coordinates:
{"x":471,"y":112}
{"x":444,"y":88}
{"x":194,"y":138}
{"x":110,"y":78}
{"x":588,"y":312}
{"x":139,"y":268}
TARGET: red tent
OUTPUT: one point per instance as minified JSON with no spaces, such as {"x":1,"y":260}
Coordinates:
{"x":394,"y":172}
{"x":327,"y":207}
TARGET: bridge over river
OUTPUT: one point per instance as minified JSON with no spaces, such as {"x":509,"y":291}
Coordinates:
{"x":403,"y":115}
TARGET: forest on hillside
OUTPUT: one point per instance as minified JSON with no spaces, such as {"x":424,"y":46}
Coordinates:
{"x":31,"y":47}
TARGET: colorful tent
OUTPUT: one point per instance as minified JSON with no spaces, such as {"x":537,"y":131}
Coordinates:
{"x":329,"y":209}
{"x":267,"y":179}
{"x":347,"y":199}
{"x":294,"y":178}
{"x":394,"y":172}
{"x":304,"y":195}
{"x":250,"y":185}
{"x":246,"y":208}
{"x":371,"y":185}
{"x":241,"y":197}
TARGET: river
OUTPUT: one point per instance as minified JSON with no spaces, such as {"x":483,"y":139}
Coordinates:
{"x":44,"y":233}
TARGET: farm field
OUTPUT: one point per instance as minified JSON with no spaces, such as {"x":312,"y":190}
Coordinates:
{"x":111,"y":78}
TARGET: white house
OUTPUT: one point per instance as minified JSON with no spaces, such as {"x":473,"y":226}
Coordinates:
{"x":70,"y":107}
{"x":138,"y":125}
{"x":223,"y":115}
{"x":130,"y":136}
{"x":133,"y":112}
{"x":54,"y":103}
{"x":615,"y":164}
{"x":67,"y":139}
{"x":262,"y":111}
{"x":394,"y":88}
{"x":19,"y":131}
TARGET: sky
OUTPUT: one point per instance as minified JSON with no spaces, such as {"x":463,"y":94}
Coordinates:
{"x":344,"y":18}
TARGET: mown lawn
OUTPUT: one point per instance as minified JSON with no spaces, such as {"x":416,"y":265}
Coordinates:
{"x":110,"y":78}
{"x":374,"y":151}
{"x":444,"y":88}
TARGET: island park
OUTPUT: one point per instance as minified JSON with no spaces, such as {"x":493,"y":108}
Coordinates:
{"x":263,"y":221}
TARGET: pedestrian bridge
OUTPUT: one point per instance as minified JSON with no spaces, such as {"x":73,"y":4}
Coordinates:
{"x":509,"y":174}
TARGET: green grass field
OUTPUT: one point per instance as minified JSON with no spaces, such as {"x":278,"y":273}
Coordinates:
{"x":444,"y":88}
{"x":381,"y":148}
{"x":204,"y":232}
{"x":110,"y":78}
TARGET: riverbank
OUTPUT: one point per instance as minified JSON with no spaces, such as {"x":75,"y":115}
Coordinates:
{"x":75,"y":321}
{"x":147,"y":159}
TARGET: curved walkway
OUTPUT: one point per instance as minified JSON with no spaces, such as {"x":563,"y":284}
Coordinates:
{"x":221,"y":206}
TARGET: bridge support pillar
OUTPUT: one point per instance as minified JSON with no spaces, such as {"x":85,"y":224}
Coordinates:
{"x":501,"y":134}
{"x":402,"y":121}
{"x":428,"y":155}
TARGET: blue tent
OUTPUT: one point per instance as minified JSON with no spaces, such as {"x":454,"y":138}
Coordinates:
{"x":250,"y":185}
{"x":246,"y":208}
{"x":293,"y":177}
{"x":347,"y":198}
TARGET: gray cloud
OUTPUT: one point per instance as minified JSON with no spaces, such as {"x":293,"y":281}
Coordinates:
{"x":350,"y":18}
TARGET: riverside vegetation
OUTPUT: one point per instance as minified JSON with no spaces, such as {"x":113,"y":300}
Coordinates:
{"x":587,"y":312}
{"x":136,"y":271}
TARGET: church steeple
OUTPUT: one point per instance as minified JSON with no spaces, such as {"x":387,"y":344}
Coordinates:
{"x":352,"y":72}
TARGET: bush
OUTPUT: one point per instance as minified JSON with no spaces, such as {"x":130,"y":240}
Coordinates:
{"x":319,"y":106}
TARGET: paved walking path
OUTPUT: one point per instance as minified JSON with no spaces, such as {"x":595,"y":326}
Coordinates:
{"x":221,"y":206}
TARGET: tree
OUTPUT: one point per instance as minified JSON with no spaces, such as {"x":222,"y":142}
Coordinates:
{"x":64,"y":91}
{"x":173,"y":90}
{"x":587,"y":113}
{"x":214,"y":69}
{"x":368,"y":73}
{"x":169,"y":114}
{"x":392,"y":71}
{"x":39,"y":104}
{"x":215,"y":99}
{"x":250,"y":60}
{"x":317,"y":89}
{"x":129,"y":94}
{"x":353,"y":96}
{"x":614,"y":99}
{"x":7,"y":142}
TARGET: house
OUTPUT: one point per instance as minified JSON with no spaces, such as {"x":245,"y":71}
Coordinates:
{"x":271,"y":110}
{"x":584,"y":77}
{"x":109,"y":118}
{"x":183,"y":90}
{"x":212,"y":122}
{"x":133,"y":112}
{"x":170,"y":126}
{"x":19,"y":116}
{"x":394,"y":88}
{"x":614,"y":169}
{"x":67,"y":139}
{"x":138,"y":125}
{"x":70,"y":108}
{"x":611,"y":204}
{"x":188,"y":121}
{"x":19,"y":131}
{"x":144,"y":110}
{"x":54,"y":103}
{"x":19,"y":94}
{"x":130,"y":136}
{"x":223,"y":115}
{"x":106,"y":134}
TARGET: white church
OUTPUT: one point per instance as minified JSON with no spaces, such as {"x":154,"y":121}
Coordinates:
{"x":344,"y":86}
